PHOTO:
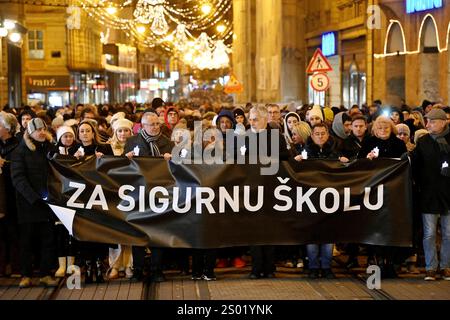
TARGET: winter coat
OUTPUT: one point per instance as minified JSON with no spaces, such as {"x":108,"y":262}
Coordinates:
{"x":164,"y":145}
{"x":328,"y":151}
{"x":29,"y":172}
{"x":390,"y":148}
{"x":9,"y":193}
{"x":433,"y":188}
{"x":350,"y":147}
{"x":91,"y":149}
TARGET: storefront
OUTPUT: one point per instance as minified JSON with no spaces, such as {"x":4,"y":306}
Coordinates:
{"x":51,"y":90}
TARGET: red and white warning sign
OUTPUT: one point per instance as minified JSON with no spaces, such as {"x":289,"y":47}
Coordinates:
{"x":320,"y":82}
{"x":319,"y":63}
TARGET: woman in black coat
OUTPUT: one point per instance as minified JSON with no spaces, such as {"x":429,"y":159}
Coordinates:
{"x":384,"y":144}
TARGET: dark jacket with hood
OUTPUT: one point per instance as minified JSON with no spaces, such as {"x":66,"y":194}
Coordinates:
{"x":29,"y":172}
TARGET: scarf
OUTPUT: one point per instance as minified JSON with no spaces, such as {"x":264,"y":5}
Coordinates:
{"x":151,"y":140}
{"x":440,"y":139}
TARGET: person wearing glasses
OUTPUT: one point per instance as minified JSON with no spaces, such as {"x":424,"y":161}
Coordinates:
{"x":149,"y":142}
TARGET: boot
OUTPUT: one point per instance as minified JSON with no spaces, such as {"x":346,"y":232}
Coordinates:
{"x":89,"y":277}
{"x":61,"y":272}
{"x":98,"y":272}
{"x":70,"y":262}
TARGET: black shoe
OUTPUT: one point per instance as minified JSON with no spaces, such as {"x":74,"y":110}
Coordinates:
{"x":254,"y":276}
{"x":138,"y":275}
{"x":269,"y":275}
{"x":157,"y":276}
{"x":388,"y":272}
{"x":209,"y":277}
{"x":196,"y":276}
{"x":313,"y":274}
{"x":89,"y":275}
{"x":328,"y":274}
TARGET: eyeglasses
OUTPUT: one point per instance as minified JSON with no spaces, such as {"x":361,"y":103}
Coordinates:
{"x":151,"y":124}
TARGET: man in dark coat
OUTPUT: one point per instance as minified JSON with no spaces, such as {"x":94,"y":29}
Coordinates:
{"x":29,"y":171}
{"x":150,"y":142}
{"x":430,"y":162}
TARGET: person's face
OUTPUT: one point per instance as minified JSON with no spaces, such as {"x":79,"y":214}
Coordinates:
{"x":291,"y":122}
{"x":39,"y":135}
{"x":320,"y":136}
{"x":151,"y":125}
{"x":25,"y":119}
{"x":383,"y":131}
{"x":86,"y":134}
{"x":172,"y":117}
{"x":123,"y":134}
{"x":347,"y":127}
{"x":313,"y":120}
{"x":354,"y":111}
{"x":257,"y":122}
{"x":67,"y":139}
{"x":372,"y":110}
{"x":225,"y":124}
{"x":274,"y":114}
{"x":4,"y":133}
{"x":297,"y":139}
{"x":395,"y":116}
{"x":448,"y":117}
{"x":240,"y":119}
{"x":436,"y":126}
{"x":406,"y":115}
{"x":404,"y":136}
{"x":89,"y":115}
{"x":359,"y":128}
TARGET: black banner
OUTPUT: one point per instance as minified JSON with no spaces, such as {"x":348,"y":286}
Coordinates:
{"x":149,"y":201}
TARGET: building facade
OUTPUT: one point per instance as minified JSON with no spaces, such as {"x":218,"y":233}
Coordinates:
{"x":62,"y":59}
{"x":392,"y":50}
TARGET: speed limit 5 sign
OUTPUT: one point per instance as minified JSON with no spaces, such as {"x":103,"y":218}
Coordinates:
{"x":320,"y":82}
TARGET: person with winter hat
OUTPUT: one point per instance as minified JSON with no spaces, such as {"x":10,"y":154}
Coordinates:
{"x":430,"y":160}
{"x":120,"y":257}
{"x":315,"y":116}
{"x":290,"y":120}
{"x":171,"y":118}
{"x":65,"y":140}
{"x":65,"y":244}
{"x":29,"y":172}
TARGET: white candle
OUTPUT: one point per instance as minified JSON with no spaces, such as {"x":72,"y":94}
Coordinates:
{"x":136,"y":151}
{"x":304,"y":155}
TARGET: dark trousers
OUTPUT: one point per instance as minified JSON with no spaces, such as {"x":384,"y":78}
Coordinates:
{"x":263,"y":259}
{"x":42,"y":234}
{"x":65,"y":243}
{"x":203,"y":261}
{"x":9,"y":244}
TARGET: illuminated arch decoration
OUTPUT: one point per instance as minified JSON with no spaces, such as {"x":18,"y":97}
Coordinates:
{"x":390,"y":33}
{"x":419,"y":43}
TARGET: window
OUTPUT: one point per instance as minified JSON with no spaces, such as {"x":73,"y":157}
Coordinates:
{"x":354,"y":86}
{"x":36,"y":44}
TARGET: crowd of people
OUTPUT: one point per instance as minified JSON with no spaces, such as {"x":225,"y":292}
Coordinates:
{"x":32,"y":238}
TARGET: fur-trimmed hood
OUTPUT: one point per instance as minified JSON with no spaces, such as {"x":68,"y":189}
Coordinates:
{"x":30,"y":143}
